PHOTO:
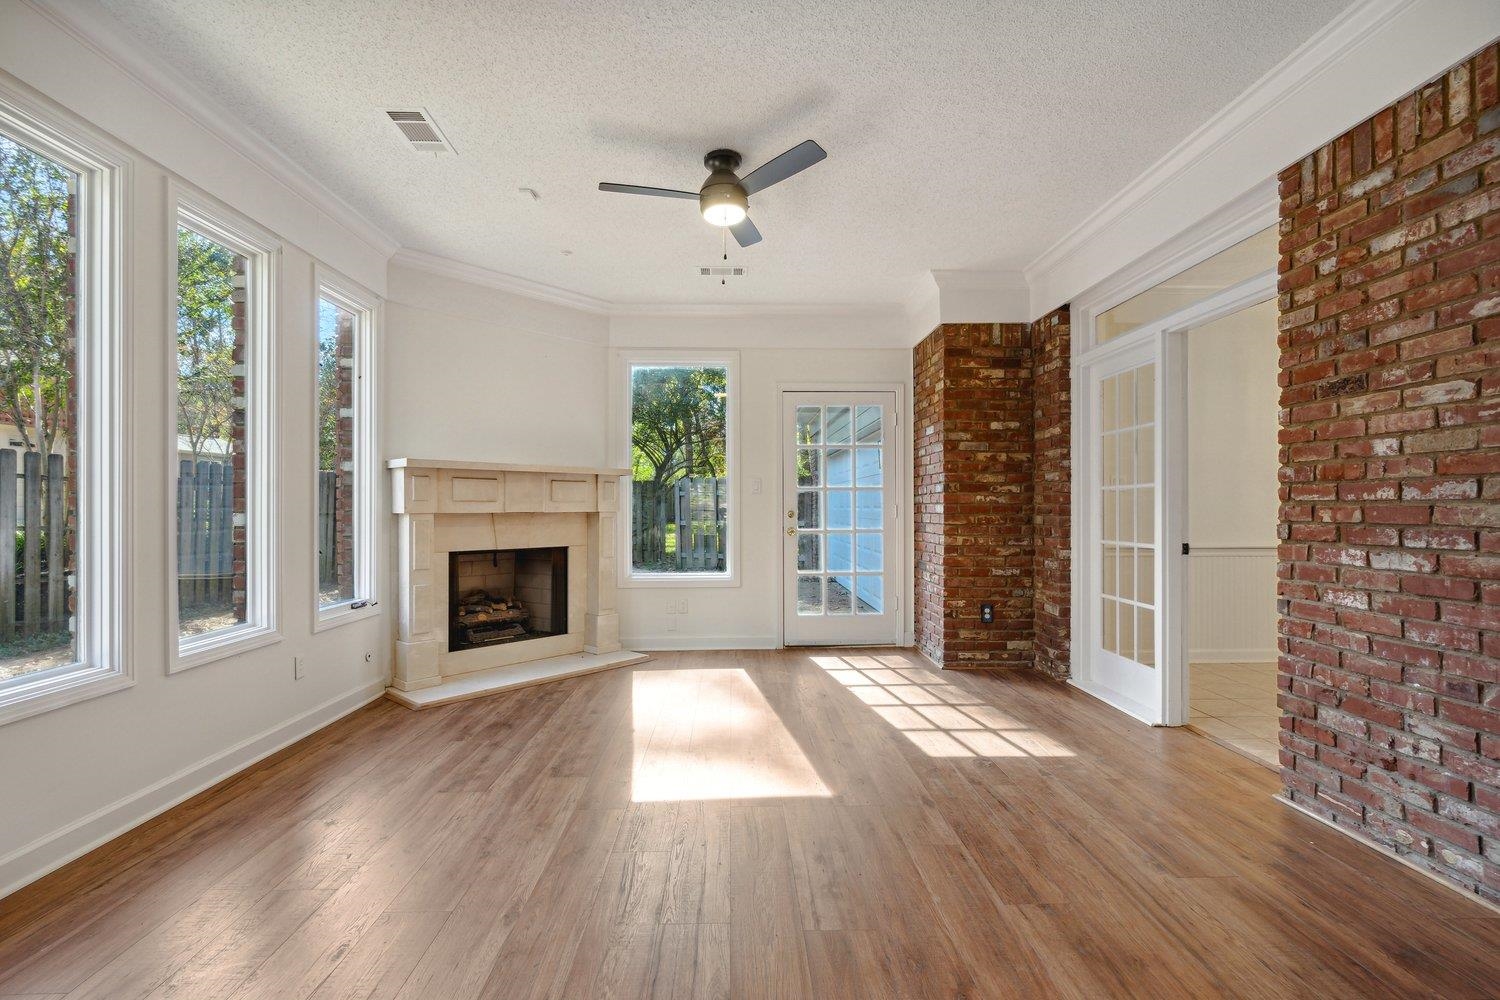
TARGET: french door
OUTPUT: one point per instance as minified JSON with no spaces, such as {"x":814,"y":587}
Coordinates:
{"x":841,"y":577}
{"x":1123,"y":506}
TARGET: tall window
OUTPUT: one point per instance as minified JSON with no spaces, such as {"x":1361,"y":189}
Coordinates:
{"x":62,"y":502}
{"x":38,"y":411}
{"x":220,"y":447}
{"x":679,"y":457}
{"x":345,"y":469}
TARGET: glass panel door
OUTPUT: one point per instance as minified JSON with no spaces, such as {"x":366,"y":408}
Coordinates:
{"x":841,"y":567}
{"x":1122,"y":527}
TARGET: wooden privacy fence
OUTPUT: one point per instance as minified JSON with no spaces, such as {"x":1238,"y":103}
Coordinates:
{"x":205,"y":532}
{"x":679,"y":526}
{"x":33,"y":583}
{"x":328,"y":491}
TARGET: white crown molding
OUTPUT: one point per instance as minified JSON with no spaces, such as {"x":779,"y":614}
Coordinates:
{"x":1283,"y":83}
{"x":474,"y":274}
{"x":95,"y":28}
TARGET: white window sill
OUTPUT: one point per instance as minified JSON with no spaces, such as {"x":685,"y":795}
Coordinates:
{"x":678,"y":580}
{"x":58,"y":688}
{"x":209,"y":647}
{"x":342,"y":614}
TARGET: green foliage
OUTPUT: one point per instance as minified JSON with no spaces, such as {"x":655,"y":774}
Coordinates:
{"x":205,"y":343}
{"x":36,"y":295}
{"x":328,"y":385}
{"x":678,"y":423}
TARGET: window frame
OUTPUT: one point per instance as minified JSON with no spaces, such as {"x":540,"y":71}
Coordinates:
{"x":207,"y":217}
{"x":366,"y":307}
{"x":103,"y":664}
{"x":625,"y":364}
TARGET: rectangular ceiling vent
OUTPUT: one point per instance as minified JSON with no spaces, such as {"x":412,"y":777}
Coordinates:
{"x":722,"y":271}
{"x":421,"y":131}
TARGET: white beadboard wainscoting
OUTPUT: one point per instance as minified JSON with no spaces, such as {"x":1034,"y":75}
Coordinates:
{"x":1232,"y":604}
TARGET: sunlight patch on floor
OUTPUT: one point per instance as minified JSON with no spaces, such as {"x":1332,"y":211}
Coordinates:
{"x":941,"y":718}
{"x":711,"y":734}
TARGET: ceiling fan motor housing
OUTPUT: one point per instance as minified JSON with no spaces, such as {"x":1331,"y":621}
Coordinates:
{"x":722,"y":200}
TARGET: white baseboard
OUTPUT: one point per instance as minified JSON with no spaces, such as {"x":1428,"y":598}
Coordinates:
{"x":670,"y":641}
{"x":1232,"y":655}
{"x":51,"y":851}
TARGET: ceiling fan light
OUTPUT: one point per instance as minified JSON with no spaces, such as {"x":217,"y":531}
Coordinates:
{"x":723,"y":204}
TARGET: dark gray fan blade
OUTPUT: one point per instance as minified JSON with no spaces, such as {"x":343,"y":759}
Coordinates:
{"x":657,"y":192}
{"x":745,"y":232}
{"x":794,"y":160}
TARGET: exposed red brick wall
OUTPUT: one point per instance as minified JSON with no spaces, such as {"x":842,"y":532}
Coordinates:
{"x":973,"y":504}
{"x":1390,"y":451}
{"x":1052,"y":479}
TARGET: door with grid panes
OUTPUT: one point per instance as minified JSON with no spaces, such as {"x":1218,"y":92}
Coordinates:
{"x":841,"y":549}
{"x":1124,"y":495}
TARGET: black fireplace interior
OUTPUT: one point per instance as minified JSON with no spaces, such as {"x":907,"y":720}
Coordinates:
{"x":506,"y":595}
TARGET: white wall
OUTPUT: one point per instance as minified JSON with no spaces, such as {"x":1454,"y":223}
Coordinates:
{"x":76,"y":776}
{"x":482,"y":374}
{"x":1232,"y":481}
{"x":748,"y":615}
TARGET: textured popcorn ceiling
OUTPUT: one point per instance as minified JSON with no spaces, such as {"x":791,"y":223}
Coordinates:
{"x":960,"y":135}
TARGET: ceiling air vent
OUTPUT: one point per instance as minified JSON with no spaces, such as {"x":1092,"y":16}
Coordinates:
{"x":721,"y":271}
{"x":421,"y":131}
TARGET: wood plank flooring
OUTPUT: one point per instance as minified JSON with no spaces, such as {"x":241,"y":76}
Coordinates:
{"x":745,"y":824}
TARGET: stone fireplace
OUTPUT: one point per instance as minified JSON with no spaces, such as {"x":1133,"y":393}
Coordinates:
{"x":506,"y":577}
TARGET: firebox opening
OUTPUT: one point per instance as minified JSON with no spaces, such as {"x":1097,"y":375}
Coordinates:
{"x":506,"y":595}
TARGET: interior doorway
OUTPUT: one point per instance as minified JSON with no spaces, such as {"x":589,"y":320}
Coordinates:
{"x":1232,"y":395}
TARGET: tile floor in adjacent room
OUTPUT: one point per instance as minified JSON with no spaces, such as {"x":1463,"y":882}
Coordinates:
{"x":1235,"y":705}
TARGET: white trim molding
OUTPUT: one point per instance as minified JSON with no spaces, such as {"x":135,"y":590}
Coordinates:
{"x":101,"y":470}
{"x":50,"y":852}
{"x":1367,"y":57}
{"x":90,"y":24}
{"x":262,"y":252}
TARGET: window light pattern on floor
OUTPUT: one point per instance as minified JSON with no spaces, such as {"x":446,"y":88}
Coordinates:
{"x":711,"y":734}
{"x":942,"y":719}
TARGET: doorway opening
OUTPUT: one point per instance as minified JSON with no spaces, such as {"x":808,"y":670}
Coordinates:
{"x":1230,"y":551}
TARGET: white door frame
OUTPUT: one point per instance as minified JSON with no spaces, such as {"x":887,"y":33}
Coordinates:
{"x":1246,"y":216}
{"x":903,"y":529}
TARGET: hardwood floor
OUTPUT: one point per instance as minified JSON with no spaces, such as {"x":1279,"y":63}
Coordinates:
{"x":745,"y":824}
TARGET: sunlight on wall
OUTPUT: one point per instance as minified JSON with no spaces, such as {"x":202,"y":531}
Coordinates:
{"x":941,"y":718}
{"x":711,"y":734}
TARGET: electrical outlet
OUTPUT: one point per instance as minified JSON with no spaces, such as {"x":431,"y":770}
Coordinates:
{"x":987,"y":614}
{"x":682,"y":606}
{"x":299,"y":668}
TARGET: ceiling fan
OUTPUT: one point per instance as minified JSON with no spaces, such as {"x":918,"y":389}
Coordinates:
{"x":724,"y":198}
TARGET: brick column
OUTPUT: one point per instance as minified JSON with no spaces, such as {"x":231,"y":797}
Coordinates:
{"x":1052,"y":484}
{"x":1390,"y":452}
{"x":973,"y":503}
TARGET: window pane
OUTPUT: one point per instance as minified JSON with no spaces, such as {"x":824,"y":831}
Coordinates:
{"x":867,"y":512}
{"x":839,"y":431}
{"x":840,"y":550}
{"x":840,"y":469}
{"x":1145,"y":636}
{"x":809,"y":512}
{"x":1228,"y":267}
{"x":211,"y":392}
{"x":867,"y":467}
{"x":867,"y":424}
{"x":1107,"y":637}
{"x":809,"y":425}
{"x":38,"y":412}
{"x":869,"y":553}
{"x":870,"y":593}
{"x":809,"y":467}
{"x":680,"y":477}
{"x":840,"y":595}
{"x":337,"y":479}
{"x":810,"y":595}
{"x":840,"y":509}
{"x":808,"y":557}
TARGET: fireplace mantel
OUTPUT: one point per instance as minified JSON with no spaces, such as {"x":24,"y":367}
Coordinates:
{"x":444,"y":506}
